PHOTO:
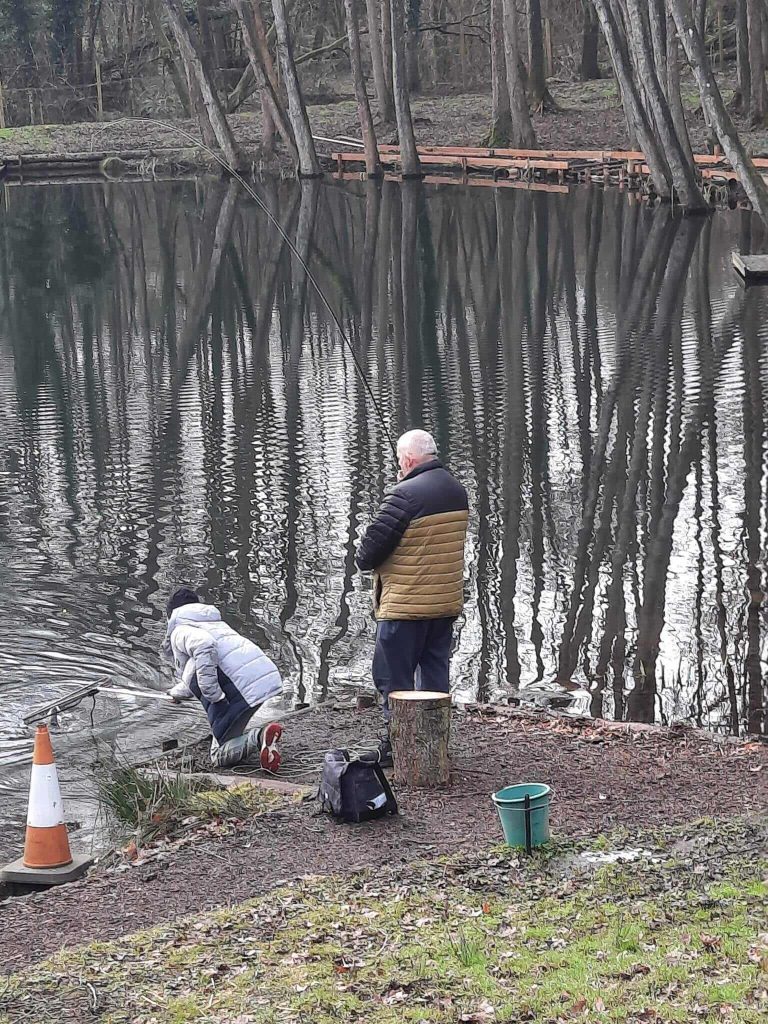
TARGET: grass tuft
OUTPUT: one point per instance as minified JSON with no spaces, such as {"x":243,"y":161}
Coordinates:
{"x":152,"y":805}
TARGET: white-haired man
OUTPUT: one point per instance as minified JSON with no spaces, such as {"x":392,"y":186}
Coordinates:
{"x":415,"y":547}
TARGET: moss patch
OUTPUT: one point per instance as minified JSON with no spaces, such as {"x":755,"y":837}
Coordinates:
{"x":481,"y":938}
{"x":29,"y":133}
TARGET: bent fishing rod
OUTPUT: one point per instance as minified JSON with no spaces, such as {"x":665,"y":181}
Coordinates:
{"x":248,"y":188}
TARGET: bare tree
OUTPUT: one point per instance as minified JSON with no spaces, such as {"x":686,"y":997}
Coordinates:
{"x":590,"y":43}
{"x":187,"y":102}
{"x":537,"y":77}
{"x":682,"y":170}
{"x":384,"y":100}
{"x":408,"y":152}
{"x":634,"y":109}
{"x":714,"y":107}
{"x":309,"y":165}
{"x":273,"y":111}
{"x":522,"y":135}
{"x":196,"y":70}
{"x":758,"y":97}
{"x":744,"y":91}
{"x":501,"y":114}
{"x":372,"y":162}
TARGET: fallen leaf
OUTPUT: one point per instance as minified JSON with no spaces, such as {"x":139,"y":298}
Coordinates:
{"x":711,"y":942}
{"x":634,"y":972}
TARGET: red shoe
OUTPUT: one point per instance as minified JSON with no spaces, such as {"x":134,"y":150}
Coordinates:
{"x":270,"y":747}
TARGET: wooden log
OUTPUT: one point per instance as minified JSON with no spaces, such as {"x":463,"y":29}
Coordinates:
{"x":420,"y":729}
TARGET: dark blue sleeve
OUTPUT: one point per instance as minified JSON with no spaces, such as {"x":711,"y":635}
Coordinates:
{"x":385,"y":532}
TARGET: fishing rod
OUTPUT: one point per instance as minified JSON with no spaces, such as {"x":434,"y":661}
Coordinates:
{"x":276,"y":224}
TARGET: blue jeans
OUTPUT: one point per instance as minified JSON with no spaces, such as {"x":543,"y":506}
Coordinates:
{"x":412,"y":655}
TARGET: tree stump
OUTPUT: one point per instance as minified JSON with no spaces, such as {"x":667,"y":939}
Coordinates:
{"x":420,"y":729}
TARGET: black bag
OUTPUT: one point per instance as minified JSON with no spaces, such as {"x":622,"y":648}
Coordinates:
{"x":355,"y":789}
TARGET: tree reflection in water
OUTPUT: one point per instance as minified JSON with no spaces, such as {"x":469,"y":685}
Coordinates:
{"x":177,"y":405}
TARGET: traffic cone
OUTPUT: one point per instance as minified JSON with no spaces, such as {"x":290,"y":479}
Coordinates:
{"x":47,"y":843}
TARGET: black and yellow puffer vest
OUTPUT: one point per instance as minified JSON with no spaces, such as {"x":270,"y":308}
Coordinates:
{"x":416,"y":547}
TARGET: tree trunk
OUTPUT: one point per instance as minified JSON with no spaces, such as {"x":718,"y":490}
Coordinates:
{"x":412,"y":17}
{"x":267,"y":123}
{"x":673,"y":91}
{"x":185,"y":99}
{"x":683,"y":171}
{"x":408,"y":154}
{"x":522,"y":136}
{"x":657,"y":20}
{"x":384,"y":99}
{"x":309,"y":166}
{"x":758,"y":106}
{"x":207,"y":47}
{"x":420,"y":730}
{"x":271,"y":101}
{"x":386,"y":46}
{"x":743,"y":97}
{"x":537,"y":79}
{"x":501,"y":114}
{"x":630,"y":98}
{"x":198,"y":72}
{"x":714,"y":107}
{"x":372,"y":162}
{"x":590,"y":43}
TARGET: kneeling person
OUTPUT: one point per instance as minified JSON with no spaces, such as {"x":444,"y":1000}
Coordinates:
{"x":230,"y":676}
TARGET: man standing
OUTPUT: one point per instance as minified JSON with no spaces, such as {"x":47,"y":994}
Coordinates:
{"x":415,"y":547}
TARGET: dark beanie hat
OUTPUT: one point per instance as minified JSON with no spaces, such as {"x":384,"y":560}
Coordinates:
{"x":184,"y":595}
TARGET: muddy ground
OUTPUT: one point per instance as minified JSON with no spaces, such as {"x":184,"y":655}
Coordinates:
{"x":604,"y":779}
{"x":589,"y":116}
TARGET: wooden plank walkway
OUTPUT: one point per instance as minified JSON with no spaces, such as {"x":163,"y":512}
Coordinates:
{"x":625,"y":168}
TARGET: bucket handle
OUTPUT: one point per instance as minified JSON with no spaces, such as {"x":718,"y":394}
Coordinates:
{"x":528,"y":824}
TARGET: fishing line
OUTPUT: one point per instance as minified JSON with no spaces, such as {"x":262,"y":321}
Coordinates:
{"x":276,"y":224}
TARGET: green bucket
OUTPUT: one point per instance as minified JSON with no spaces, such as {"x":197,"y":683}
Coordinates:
{"x":510,"y":803}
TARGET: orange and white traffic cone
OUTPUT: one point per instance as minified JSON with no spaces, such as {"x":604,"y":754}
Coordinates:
{"x":47,"y":843}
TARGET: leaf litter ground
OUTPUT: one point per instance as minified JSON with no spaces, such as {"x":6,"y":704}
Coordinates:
{"x":681,"y":935}
{"x":412,"y":918}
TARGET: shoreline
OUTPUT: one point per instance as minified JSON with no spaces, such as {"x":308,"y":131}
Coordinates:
{"x":607,"y":780}
{"x":588,"y":116}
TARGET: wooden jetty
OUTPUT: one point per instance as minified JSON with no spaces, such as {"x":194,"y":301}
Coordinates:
{"x":475,"y":181}
{"x":470,"y":164}
{"x":751,"y":268}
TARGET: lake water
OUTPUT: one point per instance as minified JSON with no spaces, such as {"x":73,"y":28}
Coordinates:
{"x":177,"y":405}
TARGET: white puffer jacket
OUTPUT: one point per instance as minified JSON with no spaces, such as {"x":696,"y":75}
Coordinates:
{"x":200,"y":642}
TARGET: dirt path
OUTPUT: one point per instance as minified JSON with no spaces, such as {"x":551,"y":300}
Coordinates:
{"x":602,"y":778}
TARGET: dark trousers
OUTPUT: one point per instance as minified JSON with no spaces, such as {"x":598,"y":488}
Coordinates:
{"x":412,"y":654}
{"x":228,"y":718}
